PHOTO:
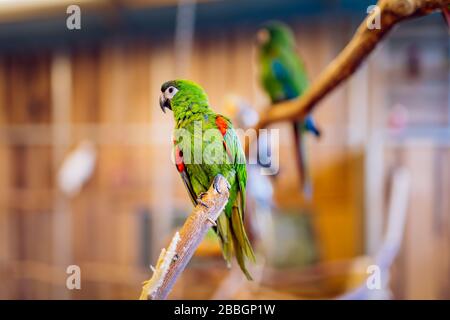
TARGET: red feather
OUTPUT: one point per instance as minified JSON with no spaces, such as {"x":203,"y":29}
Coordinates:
{"x":179,"y":159}
{"x":222,"y":125}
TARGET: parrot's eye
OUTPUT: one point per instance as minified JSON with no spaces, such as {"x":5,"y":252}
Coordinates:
{"x":170,"y":92}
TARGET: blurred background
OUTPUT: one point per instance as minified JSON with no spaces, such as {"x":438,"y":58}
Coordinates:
{"x":87,"y":180}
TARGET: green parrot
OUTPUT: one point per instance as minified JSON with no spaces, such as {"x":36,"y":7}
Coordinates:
{"x":205,"y":145}
{"x":283,"y":77}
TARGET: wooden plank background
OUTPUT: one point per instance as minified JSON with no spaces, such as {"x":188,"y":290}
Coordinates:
{"x":114,"y":103}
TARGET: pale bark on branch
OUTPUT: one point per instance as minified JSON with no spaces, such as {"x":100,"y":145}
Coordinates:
{"x":345,"y":64}
{"x":174,"y":259}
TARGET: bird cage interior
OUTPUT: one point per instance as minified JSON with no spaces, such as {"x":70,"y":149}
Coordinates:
{"x":354,"y":205}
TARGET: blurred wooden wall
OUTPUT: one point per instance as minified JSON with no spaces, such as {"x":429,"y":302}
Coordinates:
{"x":113,"y":101}
{"x":116,"y":226}
{"x":410,"y":115}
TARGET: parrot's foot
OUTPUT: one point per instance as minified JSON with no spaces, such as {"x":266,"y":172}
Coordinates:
{"x":199,"y":199}
{"x":216,"y":185}
{"x":212,"y":222}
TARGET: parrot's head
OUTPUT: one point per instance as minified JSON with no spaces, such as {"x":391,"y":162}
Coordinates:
{"x":183,"y":97}
{"x":274,"y":35}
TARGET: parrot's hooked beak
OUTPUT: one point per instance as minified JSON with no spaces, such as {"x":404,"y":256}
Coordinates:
{"x":164,"y":103}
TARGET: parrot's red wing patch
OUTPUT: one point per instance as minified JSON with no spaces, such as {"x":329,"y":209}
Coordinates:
{"x":182,"y":170}
{"x":179,"y":159}
{"x":222,"y":125}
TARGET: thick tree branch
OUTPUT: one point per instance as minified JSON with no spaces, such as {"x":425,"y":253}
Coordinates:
{"x":172,"y":261}
{"x":345,"y":64}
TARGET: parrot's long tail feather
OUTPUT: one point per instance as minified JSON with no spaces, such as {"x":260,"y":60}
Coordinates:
{"x":300,"y":152}
{"x":240,"y":234}
{"x":223,"y":231}
{"x":233,"y":237}
{"x":242,"y":246}
{"x":241,"y":259}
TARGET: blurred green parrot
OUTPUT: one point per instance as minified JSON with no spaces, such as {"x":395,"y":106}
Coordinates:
{"x":205,"y":145}
{"x":283,"y":77}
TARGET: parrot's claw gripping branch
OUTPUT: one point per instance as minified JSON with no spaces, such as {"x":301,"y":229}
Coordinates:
{"x":212,"y":221}
{"x":347,"y":62}
{"x":200,"y":199}
{"x":203,"y":203}
{"x":172,"y":261}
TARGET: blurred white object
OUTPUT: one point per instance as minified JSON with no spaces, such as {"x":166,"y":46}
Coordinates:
{"x":398,"y":118}
{"x":77,"y":168}
{"x":259,"y":186}
{"x":242,"y":113}
{"x":397,"y":211}
{"x":244,"y":116}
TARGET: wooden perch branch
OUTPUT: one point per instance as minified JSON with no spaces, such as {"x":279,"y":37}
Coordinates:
{"x":172,"y":261}
{"x":345,"y":64}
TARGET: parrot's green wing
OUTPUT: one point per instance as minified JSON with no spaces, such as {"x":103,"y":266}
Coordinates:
{"x":290,"y":73}
{"x":236,"y":155}
{"x":236,"y":205}
{"x":233,"y":144}
{"x":181,"y":168}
